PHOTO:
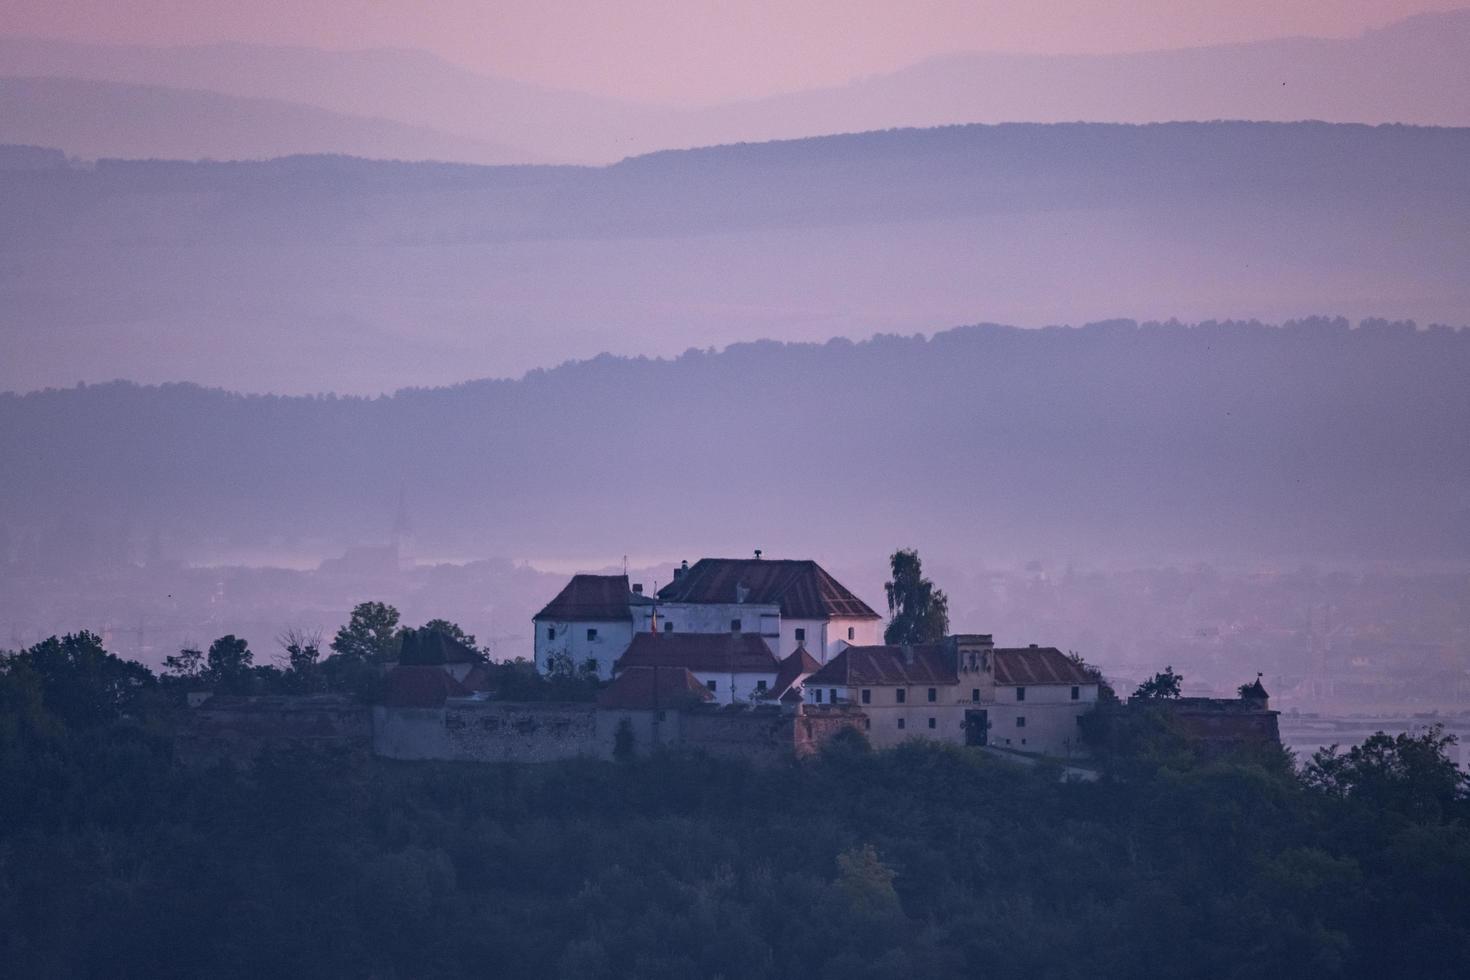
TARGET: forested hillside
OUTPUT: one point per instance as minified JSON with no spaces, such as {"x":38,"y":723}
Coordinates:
{"x":1111,"y":441}
{"x":333,"y":274}
{"x":925,"y":860}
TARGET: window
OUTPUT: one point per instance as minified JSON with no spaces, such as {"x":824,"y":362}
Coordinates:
{"x":867,"y":724}
{"x":1020,"y":694}
{"x":818,"y":694}
{"x":1020,"y":721}
{"x":867,"y":696}
{"x":901,"y":695}
{"x":933,"y":696}
{"x":592,"y":664}
{"x":1076,"y":693}
{"x":833,"y":692}
{"x":800,"y":634}
{"x":932,"y":723}
{"x":591,"y":635}
{"x":668,"y":626}
{"x":852,"y":632}
{"x":975,"y":694}
{"x":760,"y":685}
{"x":710,"y":684}
{"x":734,"y":626}
{"x":551,"y":632}
{"x":900,"y":723}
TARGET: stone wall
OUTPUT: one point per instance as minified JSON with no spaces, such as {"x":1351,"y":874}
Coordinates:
{"x":474,"y":730}
{"x":238,"y":729}
{"x":487,"y":731}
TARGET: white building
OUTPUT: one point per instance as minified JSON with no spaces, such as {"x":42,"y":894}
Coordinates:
{"x":789,"y":604}
{"x":733,"y":667}
{"x":591,"y":620}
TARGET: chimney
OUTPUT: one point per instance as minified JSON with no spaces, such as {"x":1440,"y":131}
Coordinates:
{"x":638,"y":588}
{"x":757,"y":554}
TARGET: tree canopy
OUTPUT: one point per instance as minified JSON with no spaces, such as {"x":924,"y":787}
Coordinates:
{"x":917,"y":611}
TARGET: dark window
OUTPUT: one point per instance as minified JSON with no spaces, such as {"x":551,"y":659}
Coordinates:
{"x":901,"y":695}
{"x":867,"y":724}
{"x":660,"y":716}
{"x":592,"y":634}
{"x":1020,"y":721}
{"x":551,"y":632}
{"x":710,"y":685}
{"x":933,"y":695}
{"x":1076,"y":693}
{"x":734,"y":626}
{"x":818,"y":693}
{"x":932,"y":723}
{"x":800,"y":635}
{"x":833,"y":692}
{"x":900,"y":723}
{"x":1020,"y":694}
{"x":592,"y":663}
{"x":760,"y":685}
{"x":852,"y":633}
{"x":668,"y":626}
{"x":867,"y":696}
{"x":975,"y":694}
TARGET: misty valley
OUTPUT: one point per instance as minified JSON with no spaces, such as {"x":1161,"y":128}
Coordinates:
{"x":734,"y":490}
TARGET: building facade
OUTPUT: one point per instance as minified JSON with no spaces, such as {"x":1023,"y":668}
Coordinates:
{"x":963,"y":691}
{"x":590,"y":621}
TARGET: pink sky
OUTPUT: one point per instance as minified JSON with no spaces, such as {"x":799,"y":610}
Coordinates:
{"x":701,"y":50}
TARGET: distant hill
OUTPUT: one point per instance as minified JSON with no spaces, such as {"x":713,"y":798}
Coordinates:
{"x":328,"y":273}
{"x":1112,"y":443}
{"x":1414,"y":71}
{"x":109,"y":119}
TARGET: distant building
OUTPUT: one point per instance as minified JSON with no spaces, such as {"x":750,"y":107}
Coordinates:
{"x":732,"y":667}
{"x":962,"y":690}
{"x":590,"y":620}
{"x":1222,"y":724}
{"x":789,"y":604}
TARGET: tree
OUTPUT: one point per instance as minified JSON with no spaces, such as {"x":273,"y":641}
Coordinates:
{"x":917,"y":611}
{"x":1165,"y":684}
{"x":79,"y":681}
{"x":187,"y":665}
{"x":1408,"y":774}
{"x":370,"y":636}
{"x":303,"y":651}
{"x":867,"y":882}
{"x":230,"y":664}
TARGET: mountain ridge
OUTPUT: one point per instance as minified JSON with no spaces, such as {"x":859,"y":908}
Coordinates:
{"x":1414,"y":70}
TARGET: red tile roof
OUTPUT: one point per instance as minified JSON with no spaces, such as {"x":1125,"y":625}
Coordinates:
{"x":420,"y":687}
{"x":1037,"y":665}
{"x":741,"y":653}
{"x":889,"y":666}
{"x":646,"y":688}
{"x":425,"y":646}
{"x":802,"y":589}
{"x":797,"y":665}
{"x":590,"y":599}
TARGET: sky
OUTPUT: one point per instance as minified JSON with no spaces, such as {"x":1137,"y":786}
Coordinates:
{"x":701,"y":51}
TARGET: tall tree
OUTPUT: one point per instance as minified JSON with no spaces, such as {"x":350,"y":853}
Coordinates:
{"x":371,"y":635}
{"x":917,"y":611}
{"x":230,"y":664}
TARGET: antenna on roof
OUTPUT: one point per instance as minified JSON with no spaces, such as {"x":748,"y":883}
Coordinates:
{"x":625,"y":564}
